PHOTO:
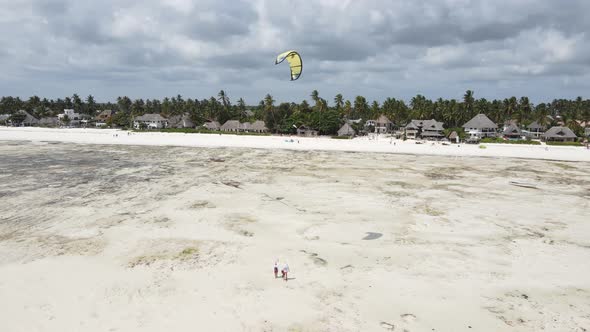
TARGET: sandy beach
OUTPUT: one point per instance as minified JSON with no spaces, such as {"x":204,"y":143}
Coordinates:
{"x":380,"y":144}
{"x":153,"y":232}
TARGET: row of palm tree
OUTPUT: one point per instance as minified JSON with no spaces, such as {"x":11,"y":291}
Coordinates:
{"x":320,"y":114}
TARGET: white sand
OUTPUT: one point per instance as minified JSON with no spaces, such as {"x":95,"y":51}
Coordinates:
{"x":147,"y":238}
{"x":381,"y":144}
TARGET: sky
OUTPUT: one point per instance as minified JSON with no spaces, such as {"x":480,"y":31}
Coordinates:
{"x":375,"y":48}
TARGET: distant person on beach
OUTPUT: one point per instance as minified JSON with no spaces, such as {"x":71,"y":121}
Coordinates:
{"x":285,"y":271}
{"x":276,"y":269}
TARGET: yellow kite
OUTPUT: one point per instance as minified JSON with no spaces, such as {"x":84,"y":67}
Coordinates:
{"x":295,"y":63}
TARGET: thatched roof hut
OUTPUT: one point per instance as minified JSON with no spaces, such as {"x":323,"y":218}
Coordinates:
{"x":346,"y":130}
{"x":259,"y":127}
{"x":560,"y":134}
{"x":512,"y":131}
{"x":480,"y":121}
{"x":231,"y":125}
{"x":212,"y":125}
{"x":453,"y":136}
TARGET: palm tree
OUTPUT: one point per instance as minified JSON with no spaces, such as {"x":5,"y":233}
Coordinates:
{"x":511,"y":108}
{"x":375,"y":109}
{"x":322,"y":108}
{"x":304,"y":107}
{"x":578,"y":108}
{"x":348,"y":108}
{"x":361,"y":107}
{"x":447,"y":114}
{"x":78,"y":103}
{"x":315,"y":96}
{"x":389,"y":108}
{"x":482,"y":107}
{"x":419,"y":107}
{"x":541,"y":113}
{"x":468,"y":100}
{"x":524,"y":110}
{"x":224,"y":99}
{"x":339,"y":102}
{"x":497,"y":111}
{"x":241,"y":109}
{"x":586,"y":112}
{"x":90,"y":105}
{"x":269,"y":110}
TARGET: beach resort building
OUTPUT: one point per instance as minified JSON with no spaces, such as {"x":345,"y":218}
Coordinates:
{"x":587,"y":132}
{"x":559,"y":134}
{"x":412,"y":130}
{"x":426,"y":129}
{"x":237,"y":126}
{"x":258,"y":127}
{"x":454,"y":137}
{"x":72,"y":119}
{"x":536,"y":130}
{"x":27,"y":120}
{"x":512,"y":132}
{"x":150,"y":121}
{"x":383,"y":125}
{"x":432,"y":130}
{"x":212,"y":125}
{"x":480,"y":127}
{"x":346,"y":130}
{"x":231,"y":126}
{"x":180,"y":121}
{"x":509,"y":123}
{"x":49,"y":121}
{"x":306,"y":131}
{"x":102,"y":118}
{"x":245,"y":127}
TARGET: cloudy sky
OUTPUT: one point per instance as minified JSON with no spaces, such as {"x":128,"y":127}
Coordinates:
{"x":375,"y":48}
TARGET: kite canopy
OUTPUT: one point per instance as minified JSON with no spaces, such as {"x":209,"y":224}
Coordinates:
{"x":295,"y":63}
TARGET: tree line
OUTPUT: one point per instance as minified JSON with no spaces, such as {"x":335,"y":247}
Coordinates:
{"x":320,"y":114}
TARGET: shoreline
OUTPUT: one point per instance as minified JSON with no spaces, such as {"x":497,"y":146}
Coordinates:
{"x":360,"y":144}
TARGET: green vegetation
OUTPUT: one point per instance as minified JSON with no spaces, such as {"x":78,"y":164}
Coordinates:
{"x":315,"y":111}
{"x":566,"y":143}
{"x":503,"y":141}
{"x":341,"y":137}
{"x":432,"y":211}
{"x":188,"y":252}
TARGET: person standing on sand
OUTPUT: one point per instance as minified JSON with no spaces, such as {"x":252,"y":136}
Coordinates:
{"x":276,"y":268}
{"x":285,"y":271}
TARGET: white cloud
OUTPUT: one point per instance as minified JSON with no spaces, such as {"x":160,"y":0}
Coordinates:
{"x":382,"y":47}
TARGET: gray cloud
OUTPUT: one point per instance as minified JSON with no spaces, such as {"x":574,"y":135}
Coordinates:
{"x":379,"y":48}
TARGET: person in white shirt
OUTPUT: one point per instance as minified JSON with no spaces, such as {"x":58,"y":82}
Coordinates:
{"x":285,"y":271}
{"x":276,"y":268}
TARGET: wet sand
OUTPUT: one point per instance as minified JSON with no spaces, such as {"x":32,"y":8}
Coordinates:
{"x":129,"y":238}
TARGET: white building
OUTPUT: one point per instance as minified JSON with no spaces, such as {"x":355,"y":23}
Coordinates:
{"x":480,"y":127}
{"x":73,"y":117}
{"x":150,"y":121}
